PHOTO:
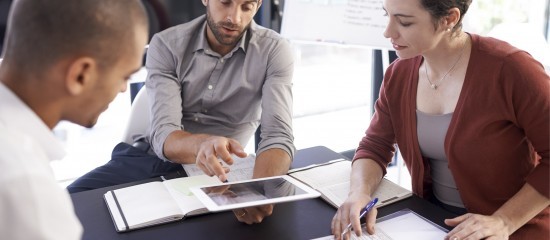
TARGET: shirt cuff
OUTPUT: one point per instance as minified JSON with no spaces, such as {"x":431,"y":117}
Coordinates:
{"x":286,"y":146}
{"x":159,"y":139}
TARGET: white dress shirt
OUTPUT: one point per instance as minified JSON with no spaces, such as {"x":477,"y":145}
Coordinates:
{"x":32,"y":204}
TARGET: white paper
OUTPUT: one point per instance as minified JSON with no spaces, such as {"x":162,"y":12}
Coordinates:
{"x":179,"y":190}
{"x":402,"y":225}
{"x":146,"y":204}
{"x":411,"y":226}
{"x":241,"y":169}
{"x":333,"y":181}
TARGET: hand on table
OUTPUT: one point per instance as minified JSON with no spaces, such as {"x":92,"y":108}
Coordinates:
{"x":349,"y":212}
{"x":253,"y":215}
{"x":475,"y":226}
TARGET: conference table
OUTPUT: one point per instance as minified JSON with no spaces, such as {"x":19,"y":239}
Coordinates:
{"x":305,"y":219}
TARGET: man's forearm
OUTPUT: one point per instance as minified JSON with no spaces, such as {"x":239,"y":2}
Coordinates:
{"x":271,"y":162}
{"x":181,"y":147}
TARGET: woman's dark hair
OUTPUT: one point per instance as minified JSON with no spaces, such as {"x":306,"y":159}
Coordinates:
{"x":440,"y":8}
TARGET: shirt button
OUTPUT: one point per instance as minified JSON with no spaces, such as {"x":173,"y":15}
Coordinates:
{"x":196,"y":119}
{"x":204,"y":111}
{"x":221,"y":60}
{"x":209,"y":86}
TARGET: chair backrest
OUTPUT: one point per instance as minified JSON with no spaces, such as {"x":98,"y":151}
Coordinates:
{"x":138,"y":122}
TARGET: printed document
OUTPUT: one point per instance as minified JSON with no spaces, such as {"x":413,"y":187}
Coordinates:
{"x":402,"y":225}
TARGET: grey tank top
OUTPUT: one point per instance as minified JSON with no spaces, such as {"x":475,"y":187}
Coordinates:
{"x":432,"y":130}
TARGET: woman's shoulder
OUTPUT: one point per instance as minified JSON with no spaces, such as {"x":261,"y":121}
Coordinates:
{"x":492,"y":47}
{"x":492,"y":51}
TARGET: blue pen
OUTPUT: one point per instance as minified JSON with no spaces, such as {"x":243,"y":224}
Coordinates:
{"x":363,"y":212}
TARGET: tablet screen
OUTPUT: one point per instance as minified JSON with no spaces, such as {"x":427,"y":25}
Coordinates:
{"x":253,"y":192}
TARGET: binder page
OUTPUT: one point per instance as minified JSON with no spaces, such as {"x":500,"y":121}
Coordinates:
{"x":316,"y":165}
{"x":147,"y":204}
{"x":335,"y":194}
{"x":388,"y":192}
{"x":241,"y":169}
{"x":333,"y":181}
{"x":186,"y":201}
{"x":402,"y":225}
{"x":325,"y":175}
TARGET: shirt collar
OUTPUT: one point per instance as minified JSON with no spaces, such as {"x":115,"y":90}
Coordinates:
{"x":201,"y":42}
{"x":16,"y":115}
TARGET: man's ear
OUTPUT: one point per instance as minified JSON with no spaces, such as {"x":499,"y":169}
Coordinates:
{"x":80,"y":75}
{"x":205,"y":2}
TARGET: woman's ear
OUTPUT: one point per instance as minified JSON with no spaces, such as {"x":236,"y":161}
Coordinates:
{"x":451,"y":20}
{"x":80,"y":75}
{"x":205,"y":2}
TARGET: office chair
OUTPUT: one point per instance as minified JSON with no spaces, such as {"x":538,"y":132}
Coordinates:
{"x":139,"y":120}
{"x":162,"y":14}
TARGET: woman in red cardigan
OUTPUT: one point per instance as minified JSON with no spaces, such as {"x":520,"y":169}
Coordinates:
{"x":471,"y":116}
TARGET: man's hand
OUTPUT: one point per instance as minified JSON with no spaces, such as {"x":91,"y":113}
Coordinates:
{"x":253,"y":215}
{"x":214,"y":148}
{"x":269,"y":163}
{"x":224,"y":189}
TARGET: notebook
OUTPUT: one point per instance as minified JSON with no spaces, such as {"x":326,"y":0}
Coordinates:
{"x":155,"y":203}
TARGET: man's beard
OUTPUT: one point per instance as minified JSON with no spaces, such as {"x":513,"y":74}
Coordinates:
{"x":220,"y":37}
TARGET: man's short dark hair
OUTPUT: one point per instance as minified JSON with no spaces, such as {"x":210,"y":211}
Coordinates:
{"x":41,"y":32}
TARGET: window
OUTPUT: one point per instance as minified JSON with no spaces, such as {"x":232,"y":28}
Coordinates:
{"x":332,"y":95}
{"x":521,"y":23}
{"x":332,"y":88}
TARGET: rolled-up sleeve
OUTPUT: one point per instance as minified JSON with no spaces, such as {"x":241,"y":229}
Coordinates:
{"x":276,"y":118}
{"x":379,"y":139}
{"x":164,"y":91}
{"x":532,"y":107}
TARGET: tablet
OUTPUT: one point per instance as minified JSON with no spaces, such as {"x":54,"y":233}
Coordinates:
{"x":254,"y":192}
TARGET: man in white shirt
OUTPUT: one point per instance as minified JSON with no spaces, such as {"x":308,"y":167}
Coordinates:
{"x":62,"y":61}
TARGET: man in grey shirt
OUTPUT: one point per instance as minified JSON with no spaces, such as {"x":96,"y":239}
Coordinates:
{"x":211,"y":82}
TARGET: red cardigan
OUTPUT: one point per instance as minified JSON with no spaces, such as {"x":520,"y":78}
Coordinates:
{"x":500,"y":123}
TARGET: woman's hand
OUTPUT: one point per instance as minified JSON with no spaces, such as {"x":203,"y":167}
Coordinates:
{"x":475,"y":226}
{"x":349,"y":212}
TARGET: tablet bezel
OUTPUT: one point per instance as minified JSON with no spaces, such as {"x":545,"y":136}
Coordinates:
{"x":214,"y":207}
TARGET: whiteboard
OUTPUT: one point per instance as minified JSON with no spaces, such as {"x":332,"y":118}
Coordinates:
{"x":352,"y":22}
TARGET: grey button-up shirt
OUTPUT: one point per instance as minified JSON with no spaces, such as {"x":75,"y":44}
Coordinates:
{"x":194,"y":89}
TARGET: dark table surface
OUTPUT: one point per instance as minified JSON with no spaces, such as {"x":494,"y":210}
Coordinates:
{"x":304,"y":219}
